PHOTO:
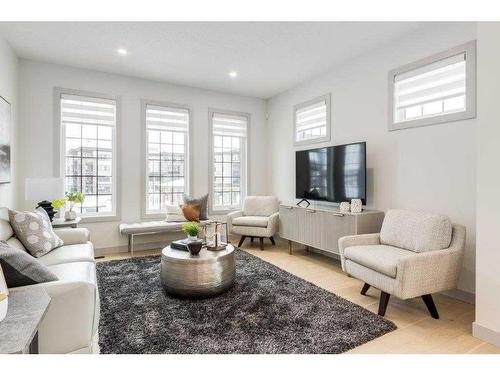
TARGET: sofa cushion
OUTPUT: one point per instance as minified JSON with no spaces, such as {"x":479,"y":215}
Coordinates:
{"x":381,"y":258}
{"x":251,"y":221}
{"x":202,"y":202}
{"x":14,"y":242}
{"x":69,"y":254}
{"x":174,"y":214}
{"x":418,"y":231}
{"x":260,"y":205}
{"x":20,"y":268}
{"x":34,"y":230}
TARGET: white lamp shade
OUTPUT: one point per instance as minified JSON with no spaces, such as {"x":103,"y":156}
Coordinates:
{"x":46,"y":188}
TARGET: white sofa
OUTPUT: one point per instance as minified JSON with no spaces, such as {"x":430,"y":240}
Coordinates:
{"x":73,"y":316}
{"x":258,"y":219}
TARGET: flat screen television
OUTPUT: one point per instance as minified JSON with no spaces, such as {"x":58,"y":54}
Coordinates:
{"x":332,"y":174}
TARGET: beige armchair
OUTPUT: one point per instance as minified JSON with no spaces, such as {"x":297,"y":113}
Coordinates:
{"x":258,"y":219}
{"x":414,"y":255}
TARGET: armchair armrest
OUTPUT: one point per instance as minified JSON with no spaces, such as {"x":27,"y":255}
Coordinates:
{"x":230,"y":217}
{"x":272,"y":223}
{"x":432,"y":271}
{"x":73,"y":236}
{"x":357,"y":240}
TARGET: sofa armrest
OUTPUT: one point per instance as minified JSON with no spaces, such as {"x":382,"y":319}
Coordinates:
{"x":357,"y":240}
{"x":230,"y":217}
{"x":432,"y":271}
{"x":73,"y":236}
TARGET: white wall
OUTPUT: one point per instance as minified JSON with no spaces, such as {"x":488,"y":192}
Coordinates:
{"x":37,"y":82}
{"x":8,"y":90}
{"x":487,"y":324}
{"x":430,"y":168}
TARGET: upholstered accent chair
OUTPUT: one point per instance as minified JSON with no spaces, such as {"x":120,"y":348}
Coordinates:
{"x":415,"y":254}
{"x":257,"y":219}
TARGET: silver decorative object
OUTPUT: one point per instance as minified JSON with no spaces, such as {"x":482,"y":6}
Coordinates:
{"x":209,"y":273}
{"x":356,"y":206}
{"x":345,"y":207}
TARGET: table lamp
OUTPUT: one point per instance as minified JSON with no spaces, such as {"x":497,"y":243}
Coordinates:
{"x":45,"y":190}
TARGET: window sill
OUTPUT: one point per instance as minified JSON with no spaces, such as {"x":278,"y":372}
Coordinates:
{"x":312,"y":141}
{"x":99,"y":219}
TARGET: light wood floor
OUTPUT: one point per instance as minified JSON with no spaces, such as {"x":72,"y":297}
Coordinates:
{"x":417,"y":332}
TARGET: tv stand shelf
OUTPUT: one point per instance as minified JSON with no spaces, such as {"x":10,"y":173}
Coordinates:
{"x":321,"y":227}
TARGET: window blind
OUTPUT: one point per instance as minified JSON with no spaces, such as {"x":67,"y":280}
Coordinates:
{"x":167,"y":118}
{"x":310,"y":121}
{"x":229,"y":125}
{"x":84,"y":110}
{"x":431,"y":90}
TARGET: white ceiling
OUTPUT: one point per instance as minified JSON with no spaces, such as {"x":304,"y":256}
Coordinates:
{"x":270,"y":57}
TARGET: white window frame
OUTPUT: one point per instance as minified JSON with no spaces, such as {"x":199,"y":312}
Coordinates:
{"x":470,"y":88}
{"x":244,"y":180}
{"x":60,"y":151}
{"x":144,"y":152}
{"x":327,"y":136}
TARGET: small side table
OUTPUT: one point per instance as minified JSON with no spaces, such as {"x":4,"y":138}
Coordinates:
{"x":62,"y":223}
{"x":19,"y":329}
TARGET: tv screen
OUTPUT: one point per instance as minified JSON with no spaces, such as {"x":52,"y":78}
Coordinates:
{"x":333,"y":174}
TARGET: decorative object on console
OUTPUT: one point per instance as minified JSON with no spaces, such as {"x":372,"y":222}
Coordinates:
{"x":192,"y":230}
{"x":344,"y":207}
{"x":174,"y":214}
{"x":44,"y":190}
{"x":5,"y":127}
{"x":4,"y":296}
{"x":356,"y":206}
{"x":34,"y":231}
{"x":202,"y":202}
{"x":191,"y":212}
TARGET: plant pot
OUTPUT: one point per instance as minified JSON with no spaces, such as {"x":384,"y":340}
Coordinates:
{"x":193,"y":238}
{"x":70,"y":215}
{"x":194,"y":247}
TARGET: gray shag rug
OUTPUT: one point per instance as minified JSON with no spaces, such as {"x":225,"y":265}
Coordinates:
{"x":267,"y":310}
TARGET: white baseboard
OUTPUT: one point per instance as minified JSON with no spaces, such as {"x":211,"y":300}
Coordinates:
{"x":486,"y":334}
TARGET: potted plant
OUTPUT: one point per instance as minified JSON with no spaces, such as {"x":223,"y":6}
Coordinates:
{"x":192,"y":230}
{"x":72,"y":198}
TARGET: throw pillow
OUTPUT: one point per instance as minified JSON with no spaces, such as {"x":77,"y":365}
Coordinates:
{"x":203,"y":202}
{"x":191,"y":212}
{"x":20,"y":268}
{"x":34,"y":230}
{"x":174,"y":214}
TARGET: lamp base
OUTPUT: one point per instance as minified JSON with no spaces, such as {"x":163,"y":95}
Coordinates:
{"x":47,"y":206}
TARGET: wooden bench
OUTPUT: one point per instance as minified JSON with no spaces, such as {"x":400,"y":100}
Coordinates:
{"x":151,"y":227}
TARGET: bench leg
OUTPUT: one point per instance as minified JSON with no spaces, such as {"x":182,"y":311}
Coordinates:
{"x":131,"y":244}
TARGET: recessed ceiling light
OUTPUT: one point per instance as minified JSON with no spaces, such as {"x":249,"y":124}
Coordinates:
{"x":122,"y":51}
{"x":233,"y":74}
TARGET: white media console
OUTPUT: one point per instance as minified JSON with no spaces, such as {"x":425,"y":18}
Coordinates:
{"x":321,"y":227}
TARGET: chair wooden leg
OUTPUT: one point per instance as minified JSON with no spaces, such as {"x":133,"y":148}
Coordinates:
{"x":429,"y":302}
{"x":251,"y":239}
{"x":290,"y":247}
{"x":272,"y":240}
{"x":384,"y":300}
{"x":365,"y":289}
{"x":261,"y":240}
{"x":241,"y":240}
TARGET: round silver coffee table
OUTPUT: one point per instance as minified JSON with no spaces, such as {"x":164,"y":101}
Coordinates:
{"x":207,"y":274}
